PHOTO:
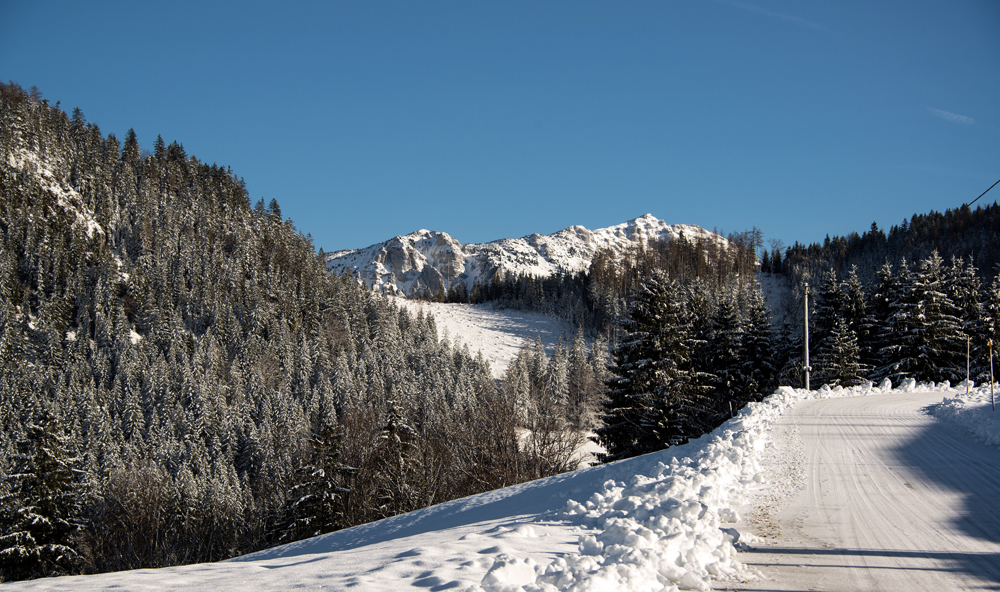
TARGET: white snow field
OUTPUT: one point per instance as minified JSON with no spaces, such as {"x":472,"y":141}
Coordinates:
{"x":498,"y":334}
{"x":878,"y":496}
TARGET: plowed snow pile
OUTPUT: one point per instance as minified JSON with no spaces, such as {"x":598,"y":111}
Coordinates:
{"x":656,"y":522}
{"x":973,"y":411}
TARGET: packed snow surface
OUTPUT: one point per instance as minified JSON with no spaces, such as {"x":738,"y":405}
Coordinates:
{"x":875,"y":494}
{"x":498,"y":334}
{"x":663,"y":521}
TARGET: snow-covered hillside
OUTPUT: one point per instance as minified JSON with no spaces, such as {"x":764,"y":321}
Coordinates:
{"x":497,"y":334}
{"x":68,"y":203}
{"x":432,"y":261}
{"x":779,"y":298}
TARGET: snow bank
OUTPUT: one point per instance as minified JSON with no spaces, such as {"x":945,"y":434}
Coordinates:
{"x":972,"y":411}
{"x":656,"y":523}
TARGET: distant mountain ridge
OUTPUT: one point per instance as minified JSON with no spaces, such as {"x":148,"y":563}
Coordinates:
{"x":428,"y":261}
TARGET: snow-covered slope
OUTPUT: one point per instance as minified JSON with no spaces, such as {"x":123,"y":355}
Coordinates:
{"x":497,"y":334}
{"x":428,"y":260}
{"x":68,"y":204}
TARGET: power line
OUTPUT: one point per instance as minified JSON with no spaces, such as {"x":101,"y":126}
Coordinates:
{"x":983,"y":193}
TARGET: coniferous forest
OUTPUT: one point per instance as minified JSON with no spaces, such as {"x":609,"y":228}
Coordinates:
{"x":181,"y":381}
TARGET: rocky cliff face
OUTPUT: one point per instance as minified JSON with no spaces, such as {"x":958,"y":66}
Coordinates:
{"x":432,"y":261}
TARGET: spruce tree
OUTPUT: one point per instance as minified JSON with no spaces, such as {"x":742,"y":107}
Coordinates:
{"x":556,"y":382}
{"x":839,"y":357}
{"x":859,"y":318}
{"x":396,"y":455}
{"x":314,"y":505}
{"x":582,"y":384}
{"x":941,"y":339}
{"x":723,"y":356}
{"x":990,"y":325}
{"x":830,"y":305}
{"x":895,"y":308}
{"x":924,"y":340}
{"x":40,"y":511}
{"x":757,"y":350}
{"x":964,"y":288}
{"x":648,"y":406}
{"x":516,"y":386}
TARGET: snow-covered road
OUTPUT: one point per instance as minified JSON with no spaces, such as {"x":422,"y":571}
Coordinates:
{"x":879,"y":496}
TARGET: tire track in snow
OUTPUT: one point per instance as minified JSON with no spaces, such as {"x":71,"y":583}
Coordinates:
{"x":892,"y":500}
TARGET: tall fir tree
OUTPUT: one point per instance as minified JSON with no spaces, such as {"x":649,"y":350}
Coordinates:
{"x":830,"y":304}
{"x":649,"y":402}
{"x":41,"y":507}
{"x":895,"y":313}
{"x":757,"y":350}
{"x":582,"y":385}
{"x":839,"y":357}
{"x":314,"y":505}
{"x":723,"y":356}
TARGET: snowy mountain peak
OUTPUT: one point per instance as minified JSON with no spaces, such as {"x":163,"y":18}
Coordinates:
{"x":429,"y":261}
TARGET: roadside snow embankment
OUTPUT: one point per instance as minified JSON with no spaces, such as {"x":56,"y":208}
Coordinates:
{"x":972,"y":411}
{"x":657,"y":521}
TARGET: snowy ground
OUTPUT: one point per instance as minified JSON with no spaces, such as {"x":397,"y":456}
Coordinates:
{"x":499,"y":334}
{"x":663,"y":521}
{"x":877,"y":494}
{"x":974,"y":411}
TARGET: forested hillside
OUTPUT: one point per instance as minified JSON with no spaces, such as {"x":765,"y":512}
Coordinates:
{"x":963,"y":232}
{"x":597,"y":298}
{"x":180,"y":379}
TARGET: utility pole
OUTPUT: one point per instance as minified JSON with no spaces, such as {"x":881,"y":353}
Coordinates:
{"x":993,"y":401}
{"x":968,"y":353}
{"x":805,"y":367}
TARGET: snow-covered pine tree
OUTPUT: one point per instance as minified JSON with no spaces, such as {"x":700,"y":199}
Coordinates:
{"x":394,"y":465}
{"x":40,"y":509}
{"x":942,"y":341}
{"x":647,"y":396}
{"x":757,"y":349}
{"x":599,"y":359}
{"x":556,"y":382}
{"x":990,"y":324}
{"x":894,"y":309}
{"x":838,"y":358}
{"x":923,"y":334}
{"x":536,"y":369}
{"x":964,"y":289}
{"x":829,"y":305}
{"x":582,"y":385}
{"x":314,"y":504}
{"x":858,"y":316}
{"x":722,"y":356}
{"x":516,"y":386}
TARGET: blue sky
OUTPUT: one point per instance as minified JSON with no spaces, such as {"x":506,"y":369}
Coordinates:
{"x":498,"y":119}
